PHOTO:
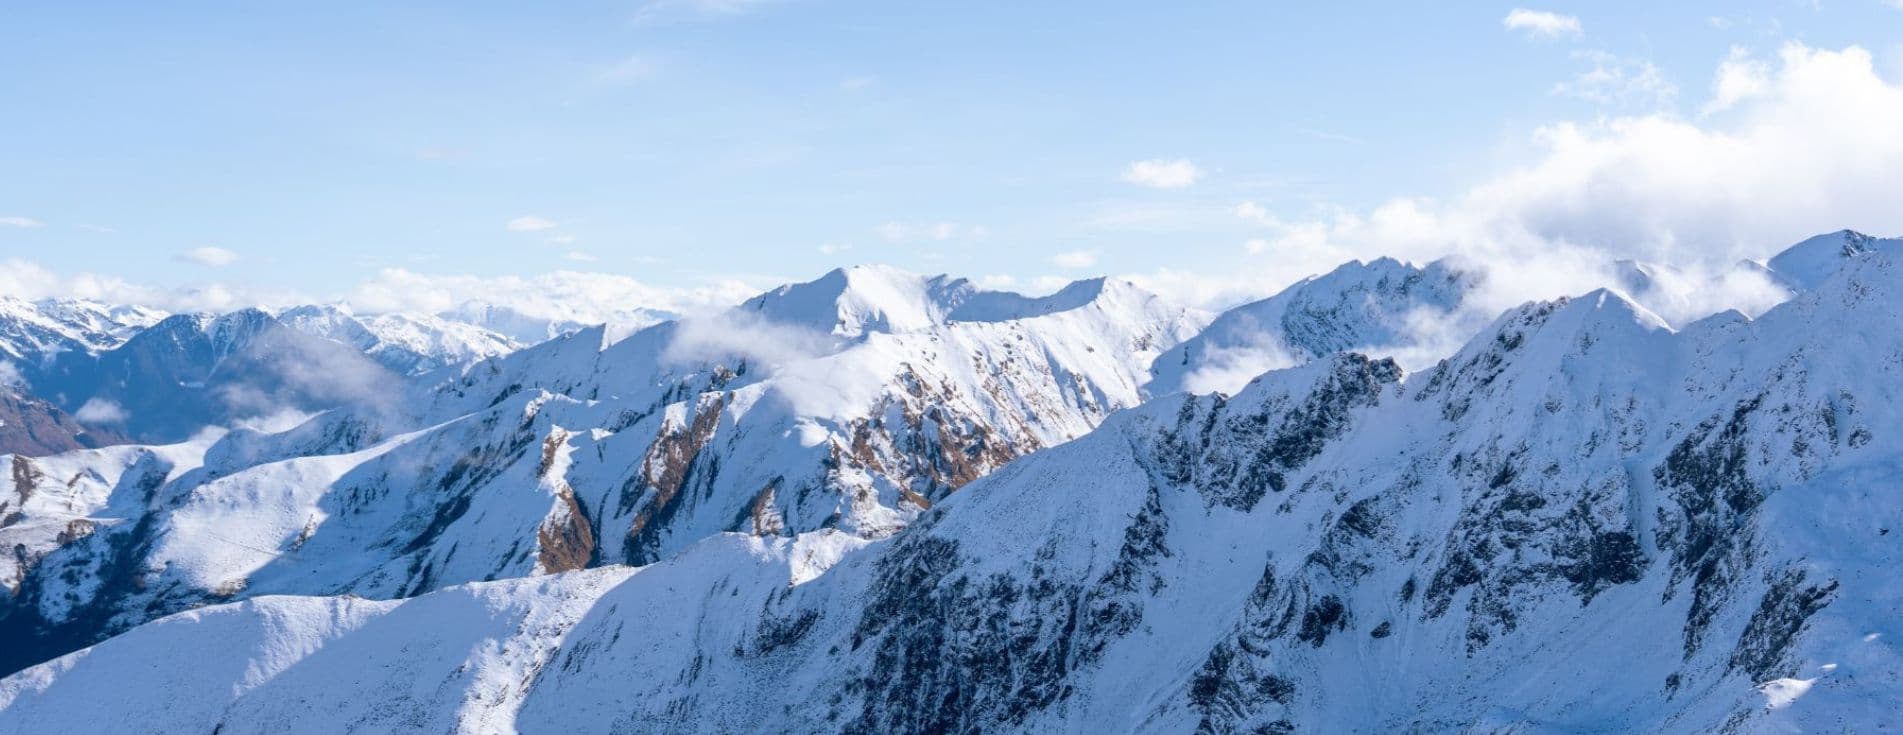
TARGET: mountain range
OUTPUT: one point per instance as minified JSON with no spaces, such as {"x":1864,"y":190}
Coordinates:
{"x":882,"y":502}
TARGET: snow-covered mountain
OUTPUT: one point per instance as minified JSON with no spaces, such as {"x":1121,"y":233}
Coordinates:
{"x":34,"y":335}
{"x":853,"y":402}
{"x":1583,"y":521}
{"x":1420,"y":314}
{"x":190,"y":371}
{"x":1380,"y":307}
{"x":1809,"y":263}
{"x":526,"y":328}
{"x":34,"y":332}
{"x":409,"y":344}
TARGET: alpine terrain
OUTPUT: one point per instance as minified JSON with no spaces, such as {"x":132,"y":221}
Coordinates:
{"x":886,"y":503}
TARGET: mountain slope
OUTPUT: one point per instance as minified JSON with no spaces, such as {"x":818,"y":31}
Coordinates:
{"x":771,"y":419}
{"x":1420,"y":314}
{"x":32,"y":333}
{"x":1379,"y":307}
{"x":1582,"y":521}
{"x":32,"y":427}
{"x":408,"y":344}
{"x":1808,"y":264}
{"x":190,"y":371}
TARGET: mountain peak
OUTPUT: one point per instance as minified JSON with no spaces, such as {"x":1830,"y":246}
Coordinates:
{"x":879,"y":298}
{"x":1809,"y":263}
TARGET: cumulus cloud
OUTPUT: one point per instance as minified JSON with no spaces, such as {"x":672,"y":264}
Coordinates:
{"x":1814,"y":150}
{"x":214,"y":257}
{"x":16,"y":221}
{"x":29,"y":280}
{"x":1542,"y":23}
{"x":530,"y":223}
{"x":1162,"y":174}
{"x":1739,"y":78}
{"x":1075,"y":259}
{"x":10,"y":376}
{"x":100,"y":411}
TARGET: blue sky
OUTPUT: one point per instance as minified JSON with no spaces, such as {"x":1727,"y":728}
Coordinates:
{"x":298,"y":151}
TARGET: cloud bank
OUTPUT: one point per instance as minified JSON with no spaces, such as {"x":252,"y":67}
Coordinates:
{"x":1792,"y":145}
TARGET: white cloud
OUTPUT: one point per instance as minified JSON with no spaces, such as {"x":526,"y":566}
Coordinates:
{"x":830,"y":248}
{"x":214,"y":257}
{"x":1162,"y":174}
{"x":1229,"y":368}
{"x":1619,"y":80}
{"x":997,"y":282}
{"x":10,"y":376}
{"x":585,"y":297}
{"x":562,"y":240}
{"x":1255,"y":213}
{"x":26,"y":279}
{"x":1255,"y":246}
{"x":530,"y":223}
{"x":20,"y":222}
{"x":567,"y":295}
{"x":100,"y":411}
{"x":97,"y":229}
{"x":1075,"y":259}
{"x":1815,"y":150}
{"x":580,"y":257}
{"x":1542,"y":23}
{"x":1739,"y":78}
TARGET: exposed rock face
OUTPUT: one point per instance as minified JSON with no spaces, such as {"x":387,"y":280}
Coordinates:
{"x":30,"y":427}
